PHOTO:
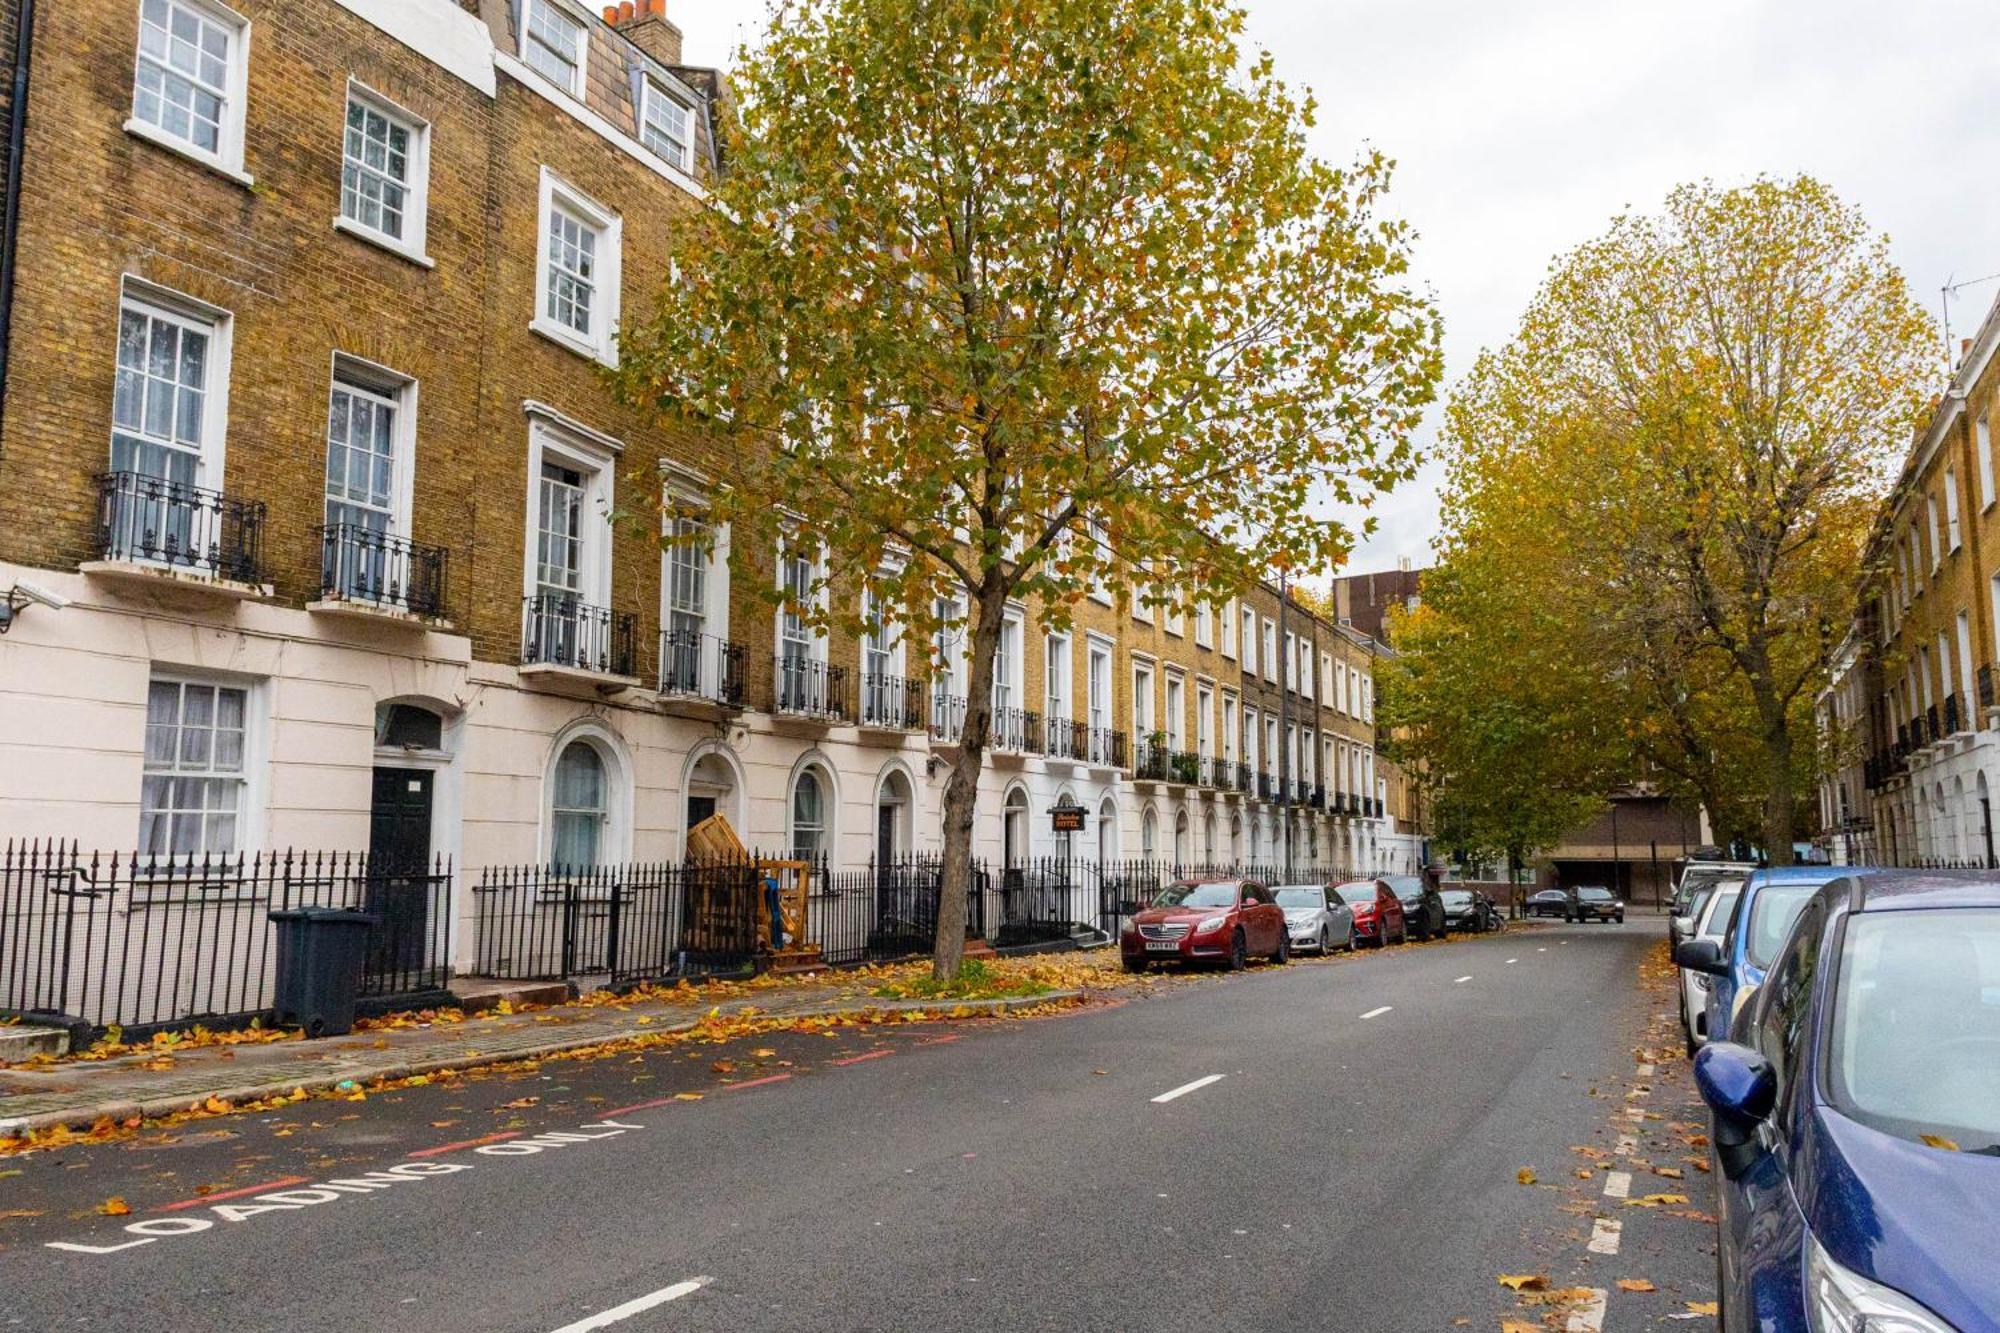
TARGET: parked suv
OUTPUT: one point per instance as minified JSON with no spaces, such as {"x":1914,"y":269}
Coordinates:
{"x":1590,"y":902}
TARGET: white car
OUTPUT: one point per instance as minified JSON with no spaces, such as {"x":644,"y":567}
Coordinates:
{"x":1711,"y":924}
{"x":1318,"y":920}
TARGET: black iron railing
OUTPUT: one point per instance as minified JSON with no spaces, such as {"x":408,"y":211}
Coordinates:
{"x":358,"y":564}
{"x":1951,"y":715}
{"x":1184,"y":766}
{"x":146,"y":942}
{"x":947,"y":716}
{"x":150,"y":521}
{"x":1267,"y":787}
{"x":559,"y":630}
{"x":883,"y":911}
{"x":1015,"y":731}
{"x":1986,"y":687}
{"x":1107,"y":747}
{"x":1153,"y":760}
{"x":891,"y":703}
{"x":1246,"y":779}
{"x":702,"y":666}
{"x":809,"y":688}
{"x":1065,"y":738}
{"x":622,"y":923}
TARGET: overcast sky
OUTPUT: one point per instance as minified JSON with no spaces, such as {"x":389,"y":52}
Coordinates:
{"x":1522,"y":126}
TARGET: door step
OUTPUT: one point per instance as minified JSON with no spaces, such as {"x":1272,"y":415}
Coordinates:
{"x":479,"y":994}
{"x":24,"y":1041}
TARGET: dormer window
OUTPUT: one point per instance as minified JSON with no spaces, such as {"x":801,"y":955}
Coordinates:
{"x":665,"y":126}
{"x":553,"y":43}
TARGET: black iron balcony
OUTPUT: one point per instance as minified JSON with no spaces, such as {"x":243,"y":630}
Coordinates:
{"x":702,"y":667}
{"x":1319,"y":798}
{"x":1246,"y":779}
{"x":145,"y":520}
{"x":559,"y":630}
{"x":1267,"y":787}
{"x":805,"y":687}
{"x":358,"y":564}
{"x":1931,"y":732}
{"x":1065,"y":738}
{"x":947,"y":716}
{"x":1153,"y":760}
{"x":891,"y":703}
{"x":1015,"y":731}
{"x":1184,"y":766}
{"x":1986,"y":687}
{"x":1107,"y":747}
{"x":1214,"y":772}
{"x":1951,"y":715}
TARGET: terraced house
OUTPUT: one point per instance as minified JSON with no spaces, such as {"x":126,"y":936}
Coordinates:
{"x":318,"y":517}
{"x":1910,"y":715}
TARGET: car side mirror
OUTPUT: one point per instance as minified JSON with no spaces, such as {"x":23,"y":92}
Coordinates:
{"x":1740,"y":1086}
{"x":1700,"y":956}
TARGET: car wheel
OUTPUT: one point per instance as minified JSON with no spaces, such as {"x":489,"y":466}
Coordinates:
{"x":1350,"y":938}
{"x":1621,"y":918}
{"x":1283,"y":953}
{"x":1238,"y":956}
{"x":1134,"y":964}
{"x":1325,"y":942}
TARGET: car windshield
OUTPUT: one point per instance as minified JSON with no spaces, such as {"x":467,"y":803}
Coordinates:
{"x":1916,"y":1030}
{"x":1594,"y":895}
{"x":1698,"y":880}
{"x":1457,"y":898}
{"x":1715,"y":918}
{"x":1198,"y":895}
{"x":1362,"y":891}
{"x":1694,"y":902}
{"x":1300,"y":895}
{"x":1772,"y":912}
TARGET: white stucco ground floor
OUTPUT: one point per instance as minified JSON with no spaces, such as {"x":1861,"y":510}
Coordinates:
{"x":143,"y":716}
{"x":1938,"y":809}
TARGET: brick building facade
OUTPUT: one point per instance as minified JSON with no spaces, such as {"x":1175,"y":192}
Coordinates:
{"x":305,"y":422}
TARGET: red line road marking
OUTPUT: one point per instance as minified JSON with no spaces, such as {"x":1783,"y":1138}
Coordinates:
{"x":444,"y":1148}
{"x":756,"y":1082}
{"x":857,"y":1059}
{"x":232,"y":1194}
{"x":639,"y":1106}
{"x":939,"y":1041}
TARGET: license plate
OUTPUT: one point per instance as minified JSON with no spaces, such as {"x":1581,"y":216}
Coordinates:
{"x":1163,"y":946}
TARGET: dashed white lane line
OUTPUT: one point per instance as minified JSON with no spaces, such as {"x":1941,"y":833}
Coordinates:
{"x":1604,"y":1235}
{"x":1589,"y":1316}
{"x":1617,"y":1184}
{"x":1377,"y":1013}
{"x":1461,"y":981}
{"x":1513,"y":960}
{"x":1185,"y":1088}
{"x":637,"y":1305}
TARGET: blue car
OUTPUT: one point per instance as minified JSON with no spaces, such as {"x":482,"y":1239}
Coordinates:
{"x":1765,"y":910}
{"x":1857,"y":1122}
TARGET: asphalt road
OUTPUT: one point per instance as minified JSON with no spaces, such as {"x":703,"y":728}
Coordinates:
{"x":1354,"y":1166}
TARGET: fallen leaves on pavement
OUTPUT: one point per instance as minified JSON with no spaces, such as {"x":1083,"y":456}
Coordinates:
{"x":115,"y":1207}
{"x":1526,"y":1175}
{"x":1635,"y":1284}
{"x":1656,"y":1200}
{"x":1524,"y":1281}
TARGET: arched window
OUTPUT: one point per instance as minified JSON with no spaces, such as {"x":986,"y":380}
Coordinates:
{"x":1149,"y":835}
{"x":1208,"y":848}
{"x":1236,"y":839}
{"x":892,"y":817}
{"x":579,"y":807}
{"x":1014,"y":828}
{"x":1107,"y":831}
{"x":809,"y":835}
{"x":1183,"y":854}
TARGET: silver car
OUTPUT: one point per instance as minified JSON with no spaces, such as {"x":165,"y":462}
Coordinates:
{"x":1711,"y":924}
{"x":1318,"y":920}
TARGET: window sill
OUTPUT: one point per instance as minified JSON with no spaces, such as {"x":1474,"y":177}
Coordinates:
{"x":567,"y":339}
{"x":139,"y":129}
{"x":360,"y":233}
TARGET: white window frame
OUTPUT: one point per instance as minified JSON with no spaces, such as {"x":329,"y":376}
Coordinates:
{"x":1204,"y":625}
{"x":1268,"y":649}
{"x":1231,"y":741}
{"x":1367,"y":698}
{"x":218,"y":325}
{"x":1058,"y":682}
{"x":685,"y":492}
{"x":1248,"y":620}
{"x":1100,"y":714}
{"x":1227,"y":614}
{"x":1937,"y":540}
{"x":651,"y":90}
{"x":411,"y":245}
{"x":1174,"y":686}
{"x":816,"y":644}
{"x":1143,"y":718}
{"x":581,"y":79}
{"x":252,"y":783}
{"x":1204,"y":720}
{"x":1982,"y":444}
{"x":601,"y":342}
{"x":1172,"y":620}
{"x":557,"y":439}
{"x":1951,"y":526}
{"x":1967,"y":684}
{"x":400,"y":391}
{"x":227,"y":159}
{"x":1100,"y":583}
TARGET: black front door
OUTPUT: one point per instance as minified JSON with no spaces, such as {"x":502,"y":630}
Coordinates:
{"x":885,"y":832}
{"x":699,"y":808}
{"x":399,"y":884}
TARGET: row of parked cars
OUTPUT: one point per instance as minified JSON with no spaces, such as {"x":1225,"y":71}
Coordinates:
{"x":1229,"y":921}
{"x":1847,"y":1021}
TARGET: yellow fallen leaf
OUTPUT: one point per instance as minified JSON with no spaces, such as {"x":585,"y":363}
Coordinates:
{"x":1635,"y":1284}
{"x":1703,"y":1307}
{"x":1938,"y":1141}
{"x":1517,"y":1326}
{"x":1526,"y":1175}
{"x":1656,"y":1200}
{"x":20,"y":1212}
{"x":687,"y":1096}
{"x":215,"y":1106}
{"x":1523,"y":1281}
{"x":1670,"y":1172}
{"x":115,"y":1207}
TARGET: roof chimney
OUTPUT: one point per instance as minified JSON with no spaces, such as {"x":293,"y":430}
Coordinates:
{"x":645,"y":23}
{"x":1964,"y":348}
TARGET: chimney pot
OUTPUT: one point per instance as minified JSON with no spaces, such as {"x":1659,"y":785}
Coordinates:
{"x":1964,"y":346}
{"x":625,"y":11}
{"x":611,"y":13}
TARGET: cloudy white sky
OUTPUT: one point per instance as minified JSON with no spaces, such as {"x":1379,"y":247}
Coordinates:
{"x":1522,"y":126}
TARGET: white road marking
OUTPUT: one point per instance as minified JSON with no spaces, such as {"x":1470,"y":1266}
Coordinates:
{"x":1617,"y":1184}
{"x":1645,"y":1071}
{"x":1604,"y":1235}
{"x":1513,"y":960}
{"x":1636,"y":1112}
{"x":637,"y":1305}
{"x":1542,"y":950}
{"x":1185,"y":1088}
{"x":1627,"y":1145}
{"x":1377,"y":1013}
{"x":1461,"y":981}
{"x":1588,"y":1317}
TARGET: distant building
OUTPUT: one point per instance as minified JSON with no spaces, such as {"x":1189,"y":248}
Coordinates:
{"x":1364,"y":600}
{"x":1633,"y":848}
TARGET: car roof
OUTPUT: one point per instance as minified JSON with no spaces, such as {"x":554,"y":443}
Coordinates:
{"x":1903,"y":890}
{"x":1813,"y":874}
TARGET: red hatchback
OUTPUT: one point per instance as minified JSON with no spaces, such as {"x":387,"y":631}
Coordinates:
{"x":1213,"y":920}
{"x":1378,"y":912}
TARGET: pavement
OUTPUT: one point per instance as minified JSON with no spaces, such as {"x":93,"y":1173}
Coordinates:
{"x":1329,"y":1145}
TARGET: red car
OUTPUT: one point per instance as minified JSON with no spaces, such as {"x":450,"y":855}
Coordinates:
{"x":1378,"y":912}
{"x":1212,"y":920}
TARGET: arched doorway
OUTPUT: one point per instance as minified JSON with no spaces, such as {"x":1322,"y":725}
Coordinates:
{"x":894,"y":802}
{"x":712,"y":788}
{"x":1183,"y":853}
{"x":1149,"y":834}
{"x":1107,"y":831}
{"x":1236,"y":840}
{"x":1208,"y":848}
{"x":1014,"y":828}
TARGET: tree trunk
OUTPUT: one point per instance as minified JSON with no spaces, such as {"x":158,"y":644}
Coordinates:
{"x":961,"y":793}
{"x":1514,"y":882}
{"x":1780,"y":804}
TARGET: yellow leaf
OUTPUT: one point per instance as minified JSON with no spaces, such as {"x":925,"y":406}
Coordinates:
{"x":1656,"y":1200}
{"x":215,"y":1106}
{"x":1635,"y":1284}
{"x":1938,"y":1141}
{"x":1518,"y":1326}
{"x":1670,"y":1172}
{"x":687,"y":1096}
{"x":1524,"y":1281}
{"x":1526,"y":1175}
{"x":1703,"y":1307}
{"x":115,"y":1207}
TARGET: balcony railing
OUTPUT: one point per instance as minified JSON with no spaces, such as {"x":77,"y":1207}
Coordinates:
{"x":151,"y":521}
{"x":1015,"y":731}
{"x":1152,"y":762}
{"x":1246,"y":779}
{"x":1267,"y":787}
{"x":891,"y":703}
{"x":702,"y":666}
{"x":559,"y":630}
{"x":1213,"y":772}
{"x":358,"y":564}
{"x":809,"y":688}
{"x":1986,"y":687}
{"x":1107,"y":747}
{"x":1184,"y":766}
{"x":1319,"y":798}
{"x":947,"y":716}
{"x":1064,"y":738}
{"x":1951,"y":715}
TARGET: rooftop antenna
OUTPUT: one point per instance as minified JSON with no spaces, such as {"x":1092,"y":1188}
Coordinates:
{"x":1945,"y":293}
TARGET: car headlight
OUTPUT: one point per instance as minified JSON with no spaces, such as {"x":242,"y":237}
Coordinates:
{"x":1212,"y":923}
{"x":1839,"y":1301}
